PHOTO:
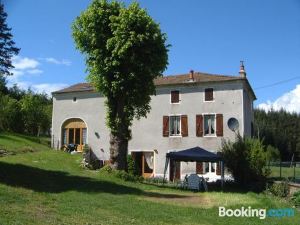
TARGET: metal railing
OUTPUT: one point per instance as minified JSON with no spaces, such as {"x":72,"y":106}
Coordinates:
{"x":285,"y":170}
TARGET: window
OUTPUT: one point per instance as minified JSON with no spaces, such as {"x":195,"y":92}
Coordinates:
{"x":209,"y":94}
{"x":174,"y":96}
{"x":206,"y":167}
{"x":209,"y":125}
{"x":175,"y":126}
{"x":213,"y":167}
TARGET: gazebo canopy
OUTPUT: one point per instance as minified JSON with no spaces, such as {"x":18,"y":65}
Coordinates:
{"x":194,"y":154}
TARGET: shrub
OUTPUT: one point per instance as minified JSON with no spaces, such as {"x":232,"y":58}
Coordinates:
{"x":90,"y":160}
{"x":280,"y":189}
{"x":132,"y":166}
{"x":296,"y":199}
{"x":246,"y":160}
{"x":121,"y":174}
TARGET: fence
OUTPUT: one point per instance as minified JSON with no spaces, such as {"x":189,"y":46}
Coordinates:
{"x":285,"y":170}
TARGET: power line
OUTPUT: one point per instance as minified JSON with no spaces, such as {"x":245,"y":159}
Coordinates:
{"x":277,"y":83}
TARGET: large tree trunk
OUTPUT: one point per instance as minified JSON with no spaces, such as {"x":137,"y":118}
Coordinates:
{"x":118,"y":152}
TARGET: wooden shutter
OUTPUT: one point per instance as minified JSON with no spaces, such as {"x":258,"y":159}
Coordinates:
{"x":219,"y":121}
{"x":209,"y":94}
{"x":199,"y":167}
{"x":165,"y":126}
{"x":199,"y":125}
{"x":218,"y":172}
{"x":184,"y":126}
{"x":174,"y":96}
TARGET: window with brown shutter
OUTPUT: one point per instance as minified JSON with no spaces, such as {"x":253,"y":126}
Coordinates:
{"x":174,"y":96}
{"x":199,"y":167}
{"x":219,"y":125}
{"x":165,"y":126}
{"x":199,"y":125}
{"x":184,"y":126}
{"x":209,"y":94}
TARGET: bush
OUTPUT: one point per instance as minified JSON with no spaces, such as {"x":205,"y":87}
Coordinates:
{"x":121,"y":174}
{"x":90,"y":160}
{"x":296,"y":199}
{"x":132,"y":166}
{"x":280,"y":189}
{"x":246,"y":160}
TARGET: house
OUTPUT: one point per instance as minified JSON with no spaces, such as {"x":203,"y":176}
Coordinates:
{"x":194,"y":109}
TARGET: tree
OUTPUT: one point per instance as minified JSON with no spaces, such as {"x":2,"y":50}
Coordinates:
{"x":36,"y":113}
{"x":246,"y":159}
{"x":7,"y":45}
{"x":124,"y":51}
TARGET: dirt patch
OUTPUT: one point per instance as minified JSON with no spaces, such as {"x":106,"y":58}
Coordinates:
{"x":187,"y":200}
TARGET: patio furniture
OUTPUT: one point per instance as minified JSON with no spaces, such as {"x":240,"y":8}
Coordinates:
{"x":193,"y":182}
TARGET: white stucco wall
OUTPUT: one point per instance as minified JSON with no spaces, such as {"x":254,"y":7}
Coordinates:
{"x":230,"y":100}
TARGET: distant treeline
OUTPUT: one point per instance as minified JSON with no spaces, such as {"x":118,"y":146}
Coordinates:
{"x":24,"y":111}
{"x":280,"y":129}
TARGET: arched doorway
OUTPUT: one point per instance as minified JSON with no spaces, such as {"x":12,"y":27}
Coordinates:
{"x":74,"y":131}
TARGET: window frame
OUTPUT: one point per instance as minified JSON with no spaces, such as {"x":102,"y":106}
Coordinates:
{"x":175,"y":115}
{"x":179,"y":97}
{"x":213,"y":94}
{"x":215,"y":127}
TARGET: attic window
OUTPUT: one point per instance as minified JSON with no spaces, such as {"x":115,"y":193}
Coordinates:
{"x":74,"y":99}
{"x":174,"y":96}
{"x":209,"y":94}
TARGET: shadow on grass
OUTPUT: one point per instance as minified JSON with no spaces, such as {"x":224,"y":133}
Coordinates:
{"x":40,"y":180}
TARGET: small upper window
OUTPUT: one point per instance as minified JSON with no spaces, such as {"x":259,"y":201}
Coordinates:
{"x":209,"y":94}
{"x":174,"y":96}
{"x":74,"y":99}
{"x":209,"y":125}
{"x":175,"y":126}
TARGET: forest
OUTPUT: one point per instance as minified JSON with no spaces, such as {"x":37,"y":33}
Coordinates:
{"x":279,"y":129}
{"x":23,"y":111}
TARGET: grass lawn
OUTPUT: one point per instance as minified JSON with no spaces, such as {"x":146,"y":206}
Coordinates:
{"x":50,"y":187}
{"x":286,"y":172}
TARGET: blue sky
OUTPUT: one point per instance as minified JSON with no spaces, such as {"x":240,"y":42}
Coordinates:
{"x":208,"y":36}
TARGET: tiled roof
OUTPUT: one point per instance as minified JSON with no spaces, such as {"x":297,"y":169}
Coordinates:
{"x":198,"y":78}
{"x":166,"y":80}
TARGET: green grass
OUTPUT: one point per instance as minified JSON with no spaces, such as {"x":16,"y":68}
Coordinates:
{"x":50,"y":187}
{"x":18,"y":143}
{"x":286,"y":172}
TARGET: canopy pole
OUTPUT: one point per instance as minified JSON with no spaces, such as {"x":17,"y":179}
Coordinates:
{"x":166,"y":167}
{"x":222,"y":174}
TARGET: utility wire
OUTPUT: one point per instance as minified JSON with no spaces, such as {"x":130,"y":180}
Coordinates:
{"x":277,"y":83}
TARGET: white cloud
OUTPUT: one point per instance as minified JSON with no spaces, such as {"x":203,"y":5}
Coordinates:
{"x":47,"y":87}
{"x":65,"y":62}
{"x":289,"y":101}
{"x":28,"y":66}
{"x":21,"y":63}
{"x":35,"y":71}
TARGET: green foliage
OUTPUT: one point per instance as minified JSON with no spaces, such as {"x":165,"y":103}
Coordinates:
{"x":10,"y":115}
{"x":280,"y":189}
{"x":280,"y":129}
{"x":124,"y":51}
{"x":296,"y":199}
{"x":37,"y":112}
{"x":121,"y":174}
{"x":7,"y":45}
{"x":246,"y":160}
{"x":273,"y":153}
{"x":132,"y":167}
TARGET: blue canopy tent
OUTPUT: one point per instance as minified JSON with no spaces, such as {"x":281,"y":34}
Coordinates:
{"x":195,"y":154}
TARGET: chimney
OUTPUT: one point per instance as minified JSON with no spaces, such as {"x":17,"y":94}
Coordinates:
{"x":242,"y":70}
{"x":191,"y":75}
